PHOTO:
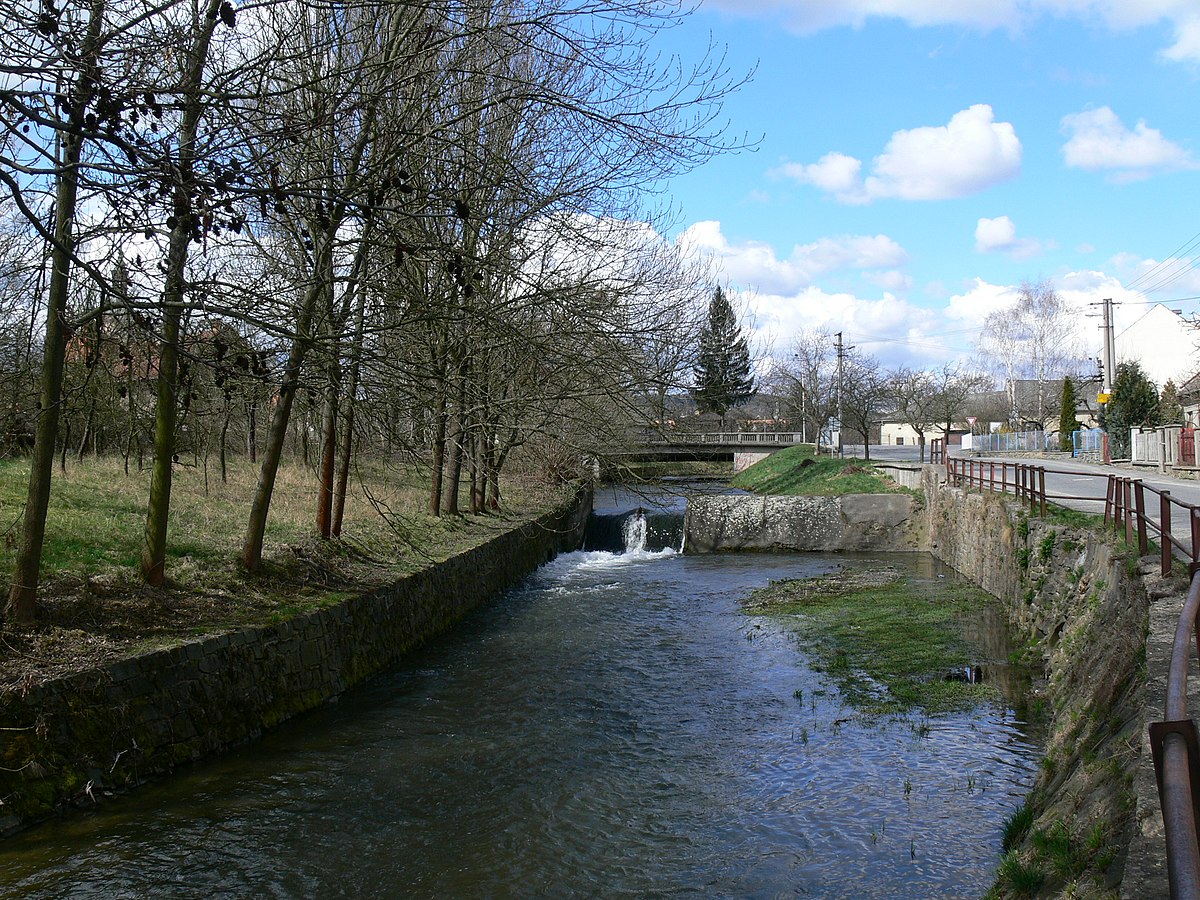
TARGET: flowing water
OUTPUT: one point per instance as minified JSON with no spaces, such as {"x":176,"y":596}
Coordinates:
{"x":614,"y":727}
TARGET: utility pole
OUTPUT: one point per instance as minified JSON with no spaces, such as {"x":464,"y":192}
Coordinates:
{"x":841,"y":356}
{"x":1109,"y":349}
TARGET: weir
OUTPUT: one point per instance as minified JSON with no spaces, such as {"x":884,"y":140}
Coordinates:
{"x":640,"y":529}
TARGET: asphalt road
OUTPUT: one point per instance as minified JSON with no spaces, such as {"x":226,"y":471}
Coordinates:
{"x":1078,"y":485}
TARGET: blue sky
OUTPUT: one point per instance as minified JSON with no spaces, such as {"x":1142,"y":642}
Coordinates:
{"x":914,"y":169}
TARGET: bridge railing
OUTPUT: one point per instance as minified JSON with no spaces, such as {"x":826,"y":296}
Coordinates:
{"x":749,"y":438}
{"x":1129,"y":508}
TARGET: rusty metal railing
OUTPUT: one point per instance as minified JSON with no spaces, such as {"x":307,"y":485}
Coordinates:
{"x":1173,"y":742}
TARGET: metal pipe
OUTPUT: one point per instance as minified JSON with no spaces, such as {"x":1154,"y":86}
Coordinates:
{"x":1164,"y":530}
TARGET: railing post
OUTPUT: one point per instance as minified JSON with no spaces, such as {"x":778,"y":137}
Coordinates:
{"x":1139,"y":504}
{"x":1195,"y":554}
{"x":1109,"y":510}
{"x":1164,"y":530}
{"x":1042,"y":489}
{"x":1004,"y":478}
{"x":1127,"y":492}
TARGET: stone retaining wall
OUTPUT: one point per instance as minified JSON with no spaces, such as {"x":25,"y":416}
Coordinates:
{"x":1083,"y":604}
{"x":883,"y":522}
{"x":74,"y":738}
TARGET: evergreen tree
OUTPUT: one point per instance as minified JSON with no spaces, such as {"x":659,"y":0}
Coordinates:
{"x":1170,"y":410}
{"x":723,"y":370}
{"x":1066,"y":417}
{"x":1134,"y":403}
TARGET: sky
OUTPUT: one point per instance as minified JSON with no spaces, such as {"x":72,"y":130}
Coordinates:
{"x":914,"y":168}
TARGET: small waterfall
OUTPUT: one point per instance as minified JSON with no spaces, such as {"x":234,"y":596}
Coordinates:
{"x":634,"y":530}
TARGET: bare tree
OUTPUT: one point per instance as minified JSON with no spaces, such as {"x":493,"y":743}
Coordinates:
{"x":914,"y":392}
{"x":1033,"y":342}
{"x":866,"y":393}
{"x":952,"y":387}
{"x":809,"y":379}
{"x":63,"y":56}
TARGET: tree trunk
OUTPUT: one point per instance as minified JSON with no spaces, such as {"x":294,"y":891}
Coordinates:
{"x":260,"y":506}
{"x":88,"y":432}
{"x":328,"y":450}
{"x":22,"y":596}
{"x":154,"y":554}
{"x":440,"y":425}
{"x":252,"y":431}
{"x":453,"y":467}
{"x":347,"y":440}
{"x":223,"y":442}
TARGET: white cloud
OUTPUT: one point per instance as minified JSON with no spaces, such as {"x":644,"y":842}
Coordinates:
{"x":1099,"y":141}
{"x":809,"y":16}
{"x":888,"y":328}
{"x":756,"y":264}
{"x":971,"y":308}
{"x":834,"y":173}
{"x":971,"y":152}
{"x":1174,"y":276}
{"x":999,"y":235}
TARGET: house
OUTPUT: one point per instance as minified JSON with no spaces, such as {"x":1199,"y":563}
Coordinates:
{"x":1163,"y":343}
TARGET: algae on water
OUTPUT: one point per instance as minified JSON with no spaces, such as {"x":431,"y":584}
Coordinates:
{"x":889,"y":640}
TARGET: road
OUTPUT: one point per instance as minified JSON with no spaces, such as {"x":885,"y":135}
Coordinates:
{"x":1078,"y":485}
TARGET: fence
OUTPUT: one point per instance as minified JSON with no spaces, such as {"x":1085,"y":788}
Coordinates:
{"x":1090,"y":440}
{"x":1009,"y":441}
{"x":1129,"y":506}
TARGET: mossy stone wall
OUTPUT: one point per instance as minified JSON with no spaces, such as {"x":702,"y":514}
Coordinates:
{"x":1081,"y":602}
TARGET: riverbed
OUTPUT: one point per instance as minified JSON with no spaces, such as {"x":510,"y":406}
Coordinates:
{"x":617,"y":726}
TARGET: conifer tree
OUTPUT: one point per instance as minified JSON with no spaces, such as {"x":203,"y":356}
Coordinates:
{"x":1170,"y":410}
{"x":723,"y":369}
{"x":1134,"y":402}
{"x":1066,"y":417}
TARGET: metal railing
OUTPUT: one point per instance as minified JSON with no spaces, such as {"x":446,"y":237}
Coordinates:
{"x":1089,"y":440}
{"x":1009,"y":441}
{"x":749,"y":438}
{"x":1174,"y":744}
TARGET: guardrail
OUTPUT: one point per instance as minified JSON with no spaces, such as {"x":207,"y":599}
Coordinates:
{"x":1173,"y":742}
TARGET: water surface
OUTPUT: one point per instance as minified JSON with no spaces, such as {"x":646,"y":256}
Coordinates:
{"x":615,"y":727}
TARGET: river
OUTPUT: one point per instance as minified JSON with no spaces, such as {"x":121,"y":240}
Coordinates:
{"x":614,"y":727}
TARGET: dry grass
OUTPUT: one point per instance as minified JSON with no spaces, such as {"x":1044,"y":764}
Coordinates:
{"x":93,"y":607}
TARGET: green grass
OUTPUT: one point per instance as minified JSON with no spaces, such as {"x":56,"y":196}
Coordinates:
{"x":1016,"y":827}
{"x":97,"y":515}
{"x":887,"y":646}
{"x":1019,"y":878}
{"x":90,"y":590}
{"x":796,"y":471}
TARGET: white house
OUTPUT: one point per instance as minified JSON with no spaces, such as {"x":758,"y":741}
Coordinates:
{"x":1163,"y":343}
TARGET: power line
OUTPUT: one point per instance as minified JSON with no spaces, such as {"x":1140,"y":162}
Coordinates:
{"x":1171,"y":259}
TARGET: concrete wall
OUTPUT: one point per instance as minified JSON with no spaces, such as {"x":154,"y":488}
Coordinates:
{"x":112,"y":727}
{"x":884,"y":522}
{"x":745,"y":459}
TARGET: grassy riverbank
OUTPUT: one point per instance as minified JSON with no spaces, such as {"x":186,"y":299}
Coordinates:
{"x":797,"y":471}
{"x":887,"y":642}
{"x":94,"y":608}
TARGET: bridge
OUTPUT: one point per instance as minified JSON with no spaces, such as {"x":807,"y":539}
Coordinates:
{"x":669,"y":445}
